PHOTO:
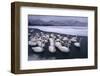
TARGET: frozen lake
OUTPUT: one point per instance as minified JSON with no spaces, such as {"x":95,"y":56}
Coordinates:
{"x":71,"y":30}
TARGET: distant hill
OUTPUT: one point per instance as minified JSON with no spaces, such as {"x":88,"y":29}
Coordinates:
{"x":40,"y":22}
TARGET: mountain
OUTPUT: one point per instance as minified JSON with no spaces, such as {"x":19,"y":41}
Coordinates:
{"x":40,"y":22}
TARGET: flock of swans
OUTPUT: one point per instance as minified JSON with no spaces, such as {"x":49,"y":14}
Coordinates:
{"x":39,"y":40}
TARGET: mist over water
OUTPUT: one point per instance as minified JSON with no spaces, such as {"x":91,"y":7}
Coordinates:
{"x":71,"y":30}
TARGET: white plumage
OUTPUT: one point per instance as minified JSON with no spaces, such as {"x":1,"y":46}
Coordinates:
{"x":52,"y":49}
{"x":37,"y":49}
{"x":73,"y":39}
{"x":65,"y":38}
{"x":52,"y":46}
{"x":51,"y":41}
{"x":32,"y":43}
{"x":61,"y":42}
{"x":62,"y":48}
{"x":77,"y":44}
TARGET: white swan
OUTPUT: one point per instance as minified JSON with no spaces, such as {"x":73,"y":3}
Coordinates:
{"x":52,"y":45}
{"x":32,"y":43}
{"x":52,"y":35}
{"x":57,"y":40}
{"x":34,"y":39}
{"x":52,"y":49}
{"x":77,"y":44}
{"x":73,"y":39}
{"x":58,"y":44}
{"x":45,"y":41}
{"x":62,"y":48}
{"x":51,"y":41}
{"x":65,"y":38}
{"x":37,"y":49}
